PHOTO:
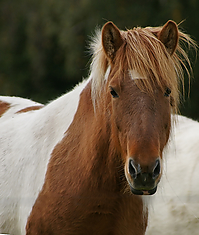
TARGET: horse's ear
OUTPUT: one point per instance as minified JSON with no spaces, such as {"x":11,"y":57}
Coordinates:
{"x":169,"y":36}
{"x":111,"y":39}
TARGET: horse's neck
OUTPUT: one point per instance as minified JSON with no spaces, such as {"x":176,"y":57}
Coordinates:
{"x":87,"y":148}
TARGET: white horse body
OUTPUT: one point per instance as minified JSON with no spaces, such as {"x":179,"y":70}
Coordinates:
{"x":26,"y":142}
{"x":175,"y":206}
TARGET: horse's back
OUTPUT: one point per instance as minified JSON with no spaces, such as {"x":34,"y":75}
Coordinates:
{"x":175,"y":207}
{"x":13,"y":105}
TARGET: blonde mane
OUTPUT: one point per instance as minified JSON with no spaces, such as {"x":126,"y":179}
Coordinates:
{"x":143,"y":52}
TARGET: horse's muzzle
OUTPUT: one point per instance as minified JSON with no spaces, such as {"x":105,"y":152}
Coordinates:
{"x":141,"y":192}
{"x":143,"y":182}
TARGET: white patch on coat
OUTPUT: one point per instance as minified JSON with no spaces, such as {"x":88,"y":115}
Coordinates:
{"x":135,"y":75}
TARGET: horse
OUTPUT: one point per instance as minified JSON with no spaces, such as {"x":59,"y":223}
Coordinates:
{"x":84,"y":163}
{"x":175,"y":206}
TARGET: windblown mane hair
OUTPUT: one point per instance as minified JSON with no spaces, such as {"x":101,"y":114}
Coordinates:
{"x":143,"y":52}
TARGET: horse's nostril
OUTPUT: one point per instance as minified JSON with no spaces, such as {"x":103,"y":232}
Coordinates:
{"x":157,"y":169}
{"x":132,"y":169}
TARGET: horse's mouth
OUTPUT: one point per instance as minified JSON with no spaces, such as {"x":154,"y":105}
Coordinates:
{"x":143,"y":192}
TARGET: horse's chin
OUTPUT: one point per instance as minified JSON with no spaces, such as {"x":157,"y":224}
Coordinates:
{"x":143,"y":192}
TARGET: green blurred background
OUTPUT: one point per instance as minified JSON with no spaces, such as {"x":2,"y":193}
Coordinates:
{"x":44,"y":43}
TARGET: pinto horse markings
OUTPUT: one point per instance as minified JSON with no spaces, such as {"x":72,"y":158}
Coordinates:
{"x":4,"y":106}
{"x":82,"y":161}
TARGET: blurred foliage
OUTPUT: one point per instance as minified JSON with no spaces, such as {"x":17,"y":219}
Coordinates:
{"x":44,"y":43}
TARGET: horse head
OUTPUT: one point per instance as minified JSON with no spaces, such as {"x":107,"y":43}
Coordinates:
{"x":142,"y":87}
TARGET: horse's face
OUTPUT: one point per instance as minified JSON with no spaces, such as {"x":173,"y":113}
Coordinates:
{"x":141,"y":126}
{"x":140,"y":119}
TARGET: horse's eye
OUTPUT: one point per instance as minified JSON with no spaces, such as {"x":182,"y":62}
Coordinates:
{"x":113,"y":93}
{"x":167,"y":92}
